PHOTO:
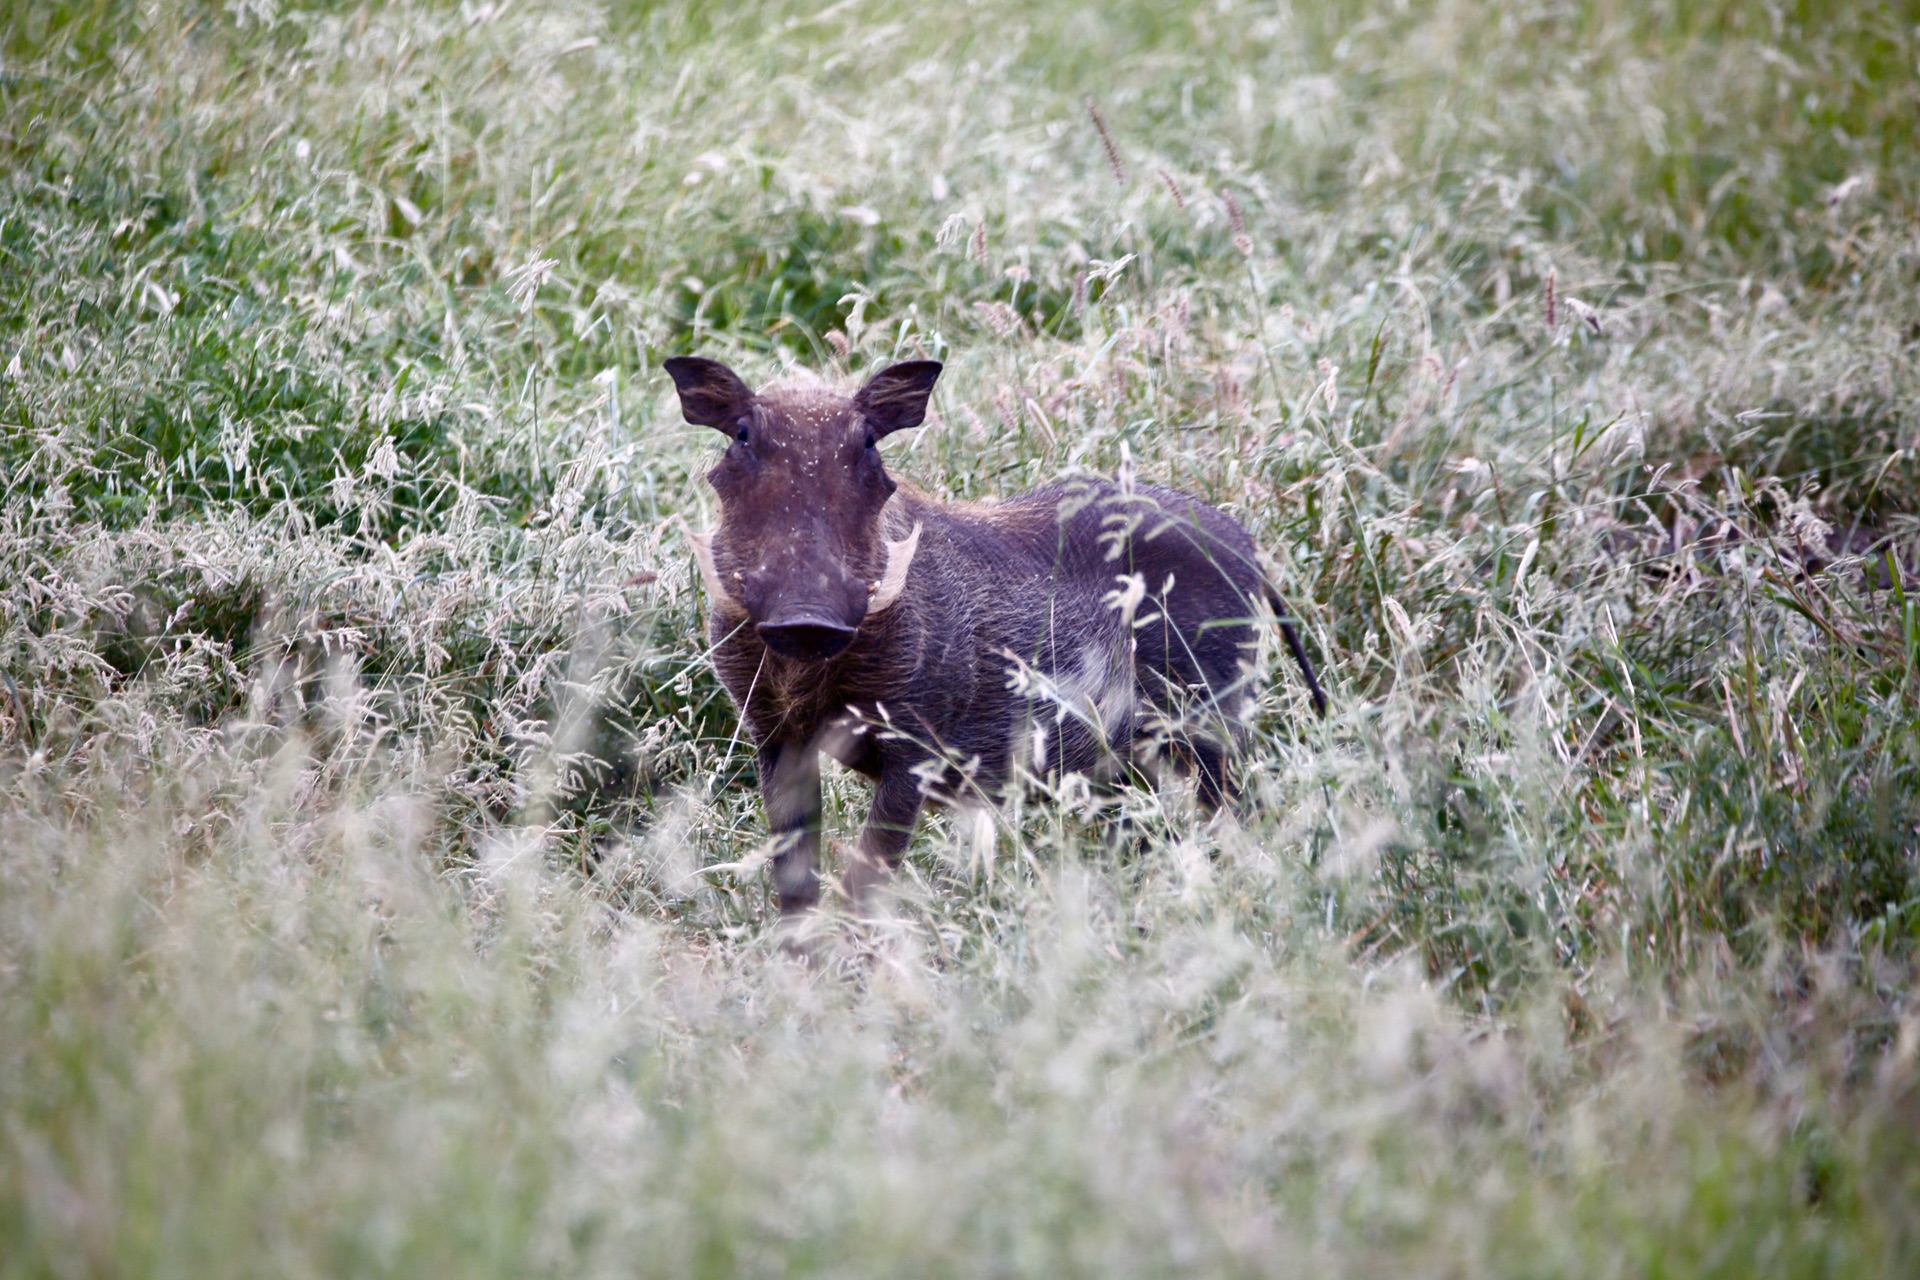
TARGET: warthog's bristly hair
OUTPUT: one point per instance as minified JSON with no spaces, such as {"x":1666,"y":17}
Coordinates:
{"x":936,"y":647}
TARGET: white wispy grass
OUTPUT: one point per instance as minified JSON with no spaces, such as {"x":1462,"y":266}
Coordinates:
{"x":379,"y":869}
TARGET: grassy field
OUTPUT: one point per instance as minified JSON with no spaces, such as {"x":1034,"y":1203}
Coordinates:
{"x":381,"y":878}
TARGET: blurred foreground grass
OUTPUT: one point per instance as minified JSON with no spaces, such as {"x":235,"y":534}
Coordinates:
{"x":379,"y":879}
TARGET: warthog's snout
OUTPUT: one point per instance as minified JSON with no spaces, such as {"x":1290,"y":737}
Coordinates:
{"x":806,"y":638}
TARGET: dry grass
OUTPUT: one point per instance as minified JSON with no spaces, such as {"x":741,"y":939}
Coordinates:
{"x":379,"y":866}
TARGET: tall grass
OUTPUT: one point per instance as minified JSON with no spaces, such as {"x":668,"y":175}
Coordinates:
{"x":379,"y":862}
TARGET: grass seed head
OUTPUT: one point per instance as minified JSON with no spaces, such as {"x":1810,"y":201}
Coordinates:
{"x":1115,"y":165}
{"x":1173,"y":189}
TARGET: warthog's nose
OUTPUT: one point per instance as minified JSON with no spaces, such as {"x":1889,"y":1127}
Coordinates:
{"x":810,"y":639}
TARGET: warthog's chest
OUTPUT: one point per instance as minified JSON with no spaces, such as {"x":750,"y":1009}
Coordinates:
{"x":795,"y":699}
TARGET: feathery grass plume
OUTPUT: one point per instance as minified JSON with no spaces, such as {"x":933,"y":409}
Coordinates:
{"x":952,"y":231}
{"x":1235,"y":219}
{"x":525,"y":282}
{"x":1040,"y":418}
{"x":1238,"y":222}
{"x":1001,"y":318}
{"x":1847,"y":189}
{"x":1006,"y":407}
{"x":842,"y":347}
{"x":1115,"y":164}
{"x":1588,"y":315}
{"x":1553,"y":304}
{"x":1173,"y":189}
{"x":980,"y":245}
{"x":1078,"y":307}
{"x":1230,"y":394}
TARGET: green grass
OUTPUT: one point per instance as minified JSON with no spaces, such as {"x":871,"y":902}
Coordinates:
{"x":380,"y":879}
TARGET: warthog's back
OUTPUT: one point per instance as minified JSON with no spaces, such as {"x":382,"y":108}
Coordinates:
{"x":1060,"y":626}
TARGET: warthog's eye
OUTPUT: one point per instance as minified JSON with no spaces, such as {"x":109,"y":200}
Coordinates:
{"x":740,"y":431}
{"x":873,"y":441}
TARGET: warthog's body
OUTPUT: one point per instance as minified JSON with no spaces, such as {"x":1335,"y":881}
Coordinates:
{"x":935,"y":647}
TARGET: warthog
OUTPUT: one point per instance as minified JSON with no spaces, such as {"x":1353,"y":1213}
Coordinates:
{"x":933,"y":645}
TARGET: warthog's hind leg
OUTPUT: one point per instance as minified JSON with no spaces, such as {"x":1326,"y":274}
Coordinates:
{"x":1210,"y":773}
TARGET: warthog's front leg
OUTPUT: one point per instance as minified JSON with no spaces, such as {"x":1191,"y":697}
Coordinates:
{"x":896,"y":807}
{"x":790,"y":790}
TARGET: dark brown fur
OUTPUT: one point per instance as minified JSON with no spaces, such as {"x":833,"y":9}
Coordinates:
{"x":1061,"y":630}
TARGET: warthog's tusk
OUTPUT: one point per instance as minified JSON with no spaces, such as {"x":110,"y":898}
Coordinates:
{"x":702,"y":544}
{"x":894,"y":580}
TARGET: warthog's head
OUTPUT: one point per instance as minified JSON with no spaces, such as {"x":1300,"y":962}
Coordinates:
{"x":800,"y":549}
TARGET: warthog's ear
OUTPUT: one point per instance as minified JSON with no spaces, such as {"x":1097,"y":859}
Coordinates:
{"x":897,"y":397}
{"x":711,"y":395}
